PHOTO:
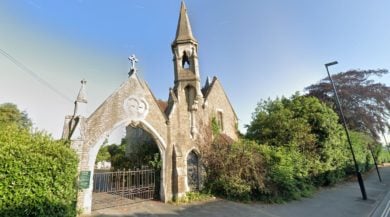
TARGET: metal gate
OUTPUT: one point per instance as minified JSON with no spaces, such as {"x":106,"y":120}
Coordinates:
{"x":122,"y":187}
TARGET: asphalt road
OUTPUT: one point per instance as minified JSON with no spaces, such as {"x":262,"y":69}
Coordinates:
{"x":343,"y":200}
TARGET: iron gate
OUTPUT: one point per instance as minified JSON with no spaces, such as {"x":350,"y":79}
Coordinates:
{"x":122,"y":187}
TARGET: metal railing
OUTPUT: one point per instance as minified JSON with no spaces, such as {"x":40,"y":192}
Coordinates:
{"x":122,"y":187}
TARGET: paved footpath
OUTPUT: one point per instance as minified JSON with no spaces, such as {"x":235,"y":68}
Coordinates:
{"x":343,"y":200}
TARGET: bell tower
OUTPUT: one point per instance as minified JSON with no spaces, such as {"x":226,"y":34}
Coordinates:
{"x":185,"y":55}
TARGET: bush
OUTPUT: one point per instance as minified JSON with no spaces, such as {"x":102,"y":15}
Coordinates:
{"x":246,"y":170}
{"x":296,"y":145}
{"x":308,"y":129}
{"x":37,"y":174}
{"x":360,"y":144}
{"x":230,"y":187}
{"x":384,"y":156}
{"x":287,"y":172}
{"x":234,"y":170}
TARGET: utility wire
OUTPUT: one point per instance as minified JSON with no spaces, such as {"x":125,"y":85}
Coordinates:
{"x":34,"y":75}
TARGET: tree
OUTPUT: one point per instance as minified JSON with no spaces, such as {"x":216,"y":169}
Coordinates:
{"x":10,"y":114}
{"x":103,"y":154}
{"x":140,"y":155}
{"x":365,"y":102}
{"x":298,"y":121}
{"x":306,"y":125}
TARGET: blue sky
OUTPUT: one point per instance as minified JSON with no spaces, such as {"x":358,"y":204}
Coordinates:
{"x":258,"y":49}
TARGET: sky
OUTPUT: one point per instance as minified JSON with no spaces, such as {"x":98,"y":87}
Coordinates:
{"x":258,"y":49}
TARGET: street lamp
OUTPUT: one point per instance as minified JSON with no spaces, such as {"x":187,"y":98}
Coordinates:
{"x":358,"y":174}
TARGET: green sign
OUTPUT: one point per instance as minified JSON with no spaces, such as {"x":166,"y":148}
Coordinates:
{"x":85,"y":176}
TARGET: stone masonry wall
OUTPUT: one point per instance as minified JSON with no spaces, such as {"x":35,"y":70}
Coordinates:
{"x":217,"y":100}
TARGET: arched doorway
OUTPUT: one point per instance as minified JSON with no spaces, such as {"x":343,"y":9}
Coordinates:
{"x":193,"y":171}
{"x":136,"y":173}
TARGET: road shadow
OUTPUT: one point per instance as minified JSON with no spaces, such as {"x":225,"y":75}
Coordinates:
{"x":341,"y":200}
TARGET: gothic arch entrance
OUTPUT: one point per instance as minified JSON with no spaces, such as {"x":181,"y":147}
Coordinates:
{"x":134,"y":173}
{"x":142,"y":177}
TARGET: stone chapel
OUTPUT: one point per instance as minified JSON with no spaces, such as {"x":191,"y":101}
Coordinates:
{"x":175,"y":125}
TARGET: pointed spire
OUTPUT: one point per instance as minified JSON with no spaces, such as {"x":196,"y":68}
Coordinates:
{"x":80,"y":105}
{"x":184,"y":32}
{"x":82,"y":97}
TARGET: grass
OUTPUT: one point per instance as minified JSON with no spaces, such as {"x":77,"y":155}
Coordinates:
{"x":191,"y":197}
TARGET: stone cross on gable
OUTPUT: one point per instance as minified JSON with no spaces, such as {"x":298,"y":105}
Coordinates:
{"x":133,"y":59}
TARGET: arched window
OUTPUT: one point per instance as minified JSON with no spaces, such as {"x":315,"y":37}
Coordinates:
{"x":220,"y":120}
{"x":193,"y":172}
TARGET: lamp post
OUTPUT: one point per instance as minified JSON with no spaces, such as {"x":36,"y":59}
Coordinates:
{"x":375,"y":162}
{"x":358,"y":174}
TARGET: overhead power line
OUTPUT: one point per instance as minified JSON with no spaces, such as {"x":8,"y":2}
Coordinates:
{"x":34,"y":75}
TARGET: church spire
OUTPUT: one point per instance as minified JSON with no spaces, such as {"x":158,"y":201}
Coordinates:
{"x":185,"y":55}
{"x":184,"y":32}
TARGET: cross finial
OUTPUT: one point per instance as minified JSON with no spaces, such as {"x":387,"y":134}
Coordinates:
{"x":133,"y":59}
{"x":83,"y":82}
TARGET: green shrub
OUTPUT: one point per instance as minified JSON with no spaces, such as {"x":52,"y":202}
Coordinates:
{"x":233,"y":170}
{"x":232,"y":187}
{"x":287,"y":172}
{"x":384,"y":156}
{"x":310,"y":133}
{"x":360,"y":144}
{"x":37,"y":174}
{"x":296,"y":145}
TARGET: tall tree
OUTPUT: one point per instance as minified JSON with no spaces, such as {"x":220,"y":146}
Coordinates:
{"x":365,"y":102}
{"x":299,"y":121}
{"x":304,"y":125}
{"x":10,"y":114}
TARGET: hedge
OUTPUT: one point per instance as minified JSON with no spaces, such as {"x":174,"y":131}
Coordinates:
{"x":37,"y":174}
